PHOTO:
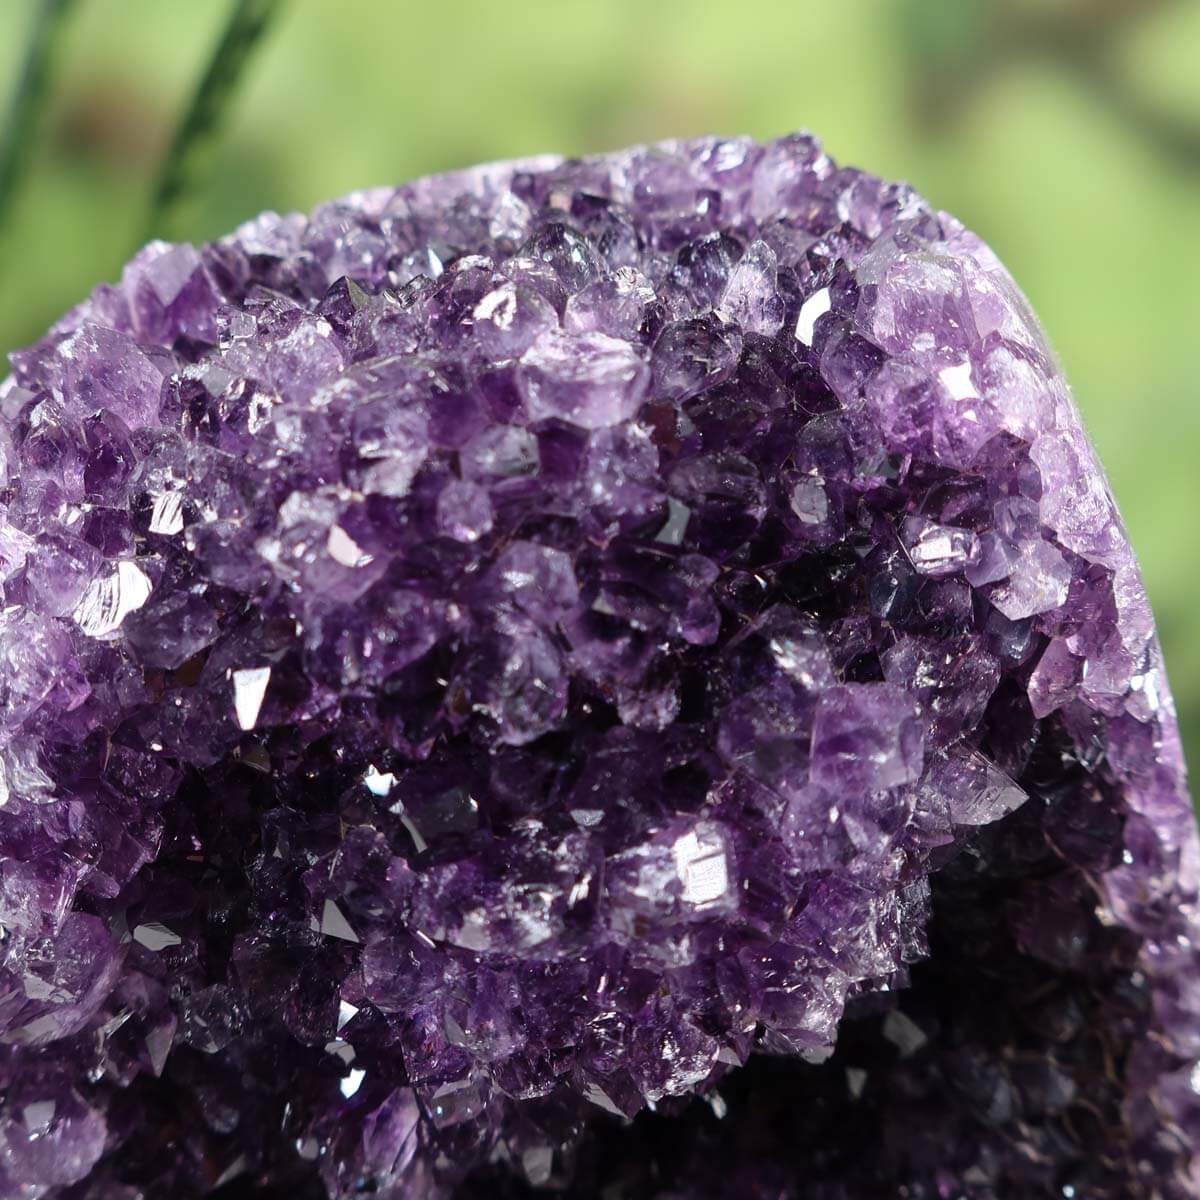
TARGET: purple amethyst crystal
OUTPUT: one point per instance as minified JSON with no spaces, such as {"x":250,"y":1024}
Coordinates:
{"x":620,"y":677}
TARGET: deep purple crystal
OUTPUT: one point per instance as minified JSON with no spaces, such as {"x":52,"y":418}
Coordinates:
{"x":621,"y":676}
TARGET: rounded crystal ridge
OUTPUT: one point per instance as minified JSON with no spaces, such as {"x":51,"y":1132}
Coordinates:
{"x":617,"y":677}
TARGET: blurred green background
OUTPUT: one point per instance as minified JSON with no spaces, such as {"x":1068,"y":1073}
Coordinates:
{"x":1067,"y":132}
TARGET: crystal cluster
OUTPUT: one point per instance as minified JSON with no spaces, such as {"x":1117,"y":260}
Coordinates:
{"x":620,"y":677}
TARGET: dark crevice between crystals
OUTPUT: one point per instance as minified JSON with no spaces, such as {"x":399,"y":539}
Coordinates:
{"x":997,"y":1069}
{"x":1016,"y":1058}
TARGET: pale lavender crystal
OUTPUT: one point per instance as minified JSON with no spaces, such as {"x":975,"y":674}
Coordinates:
{"x":589,"y":380}
{"x":620,"y":677}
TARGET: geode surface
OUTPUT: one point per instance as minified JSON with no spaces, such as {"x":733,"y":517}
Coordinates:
{"x":620,"y":678}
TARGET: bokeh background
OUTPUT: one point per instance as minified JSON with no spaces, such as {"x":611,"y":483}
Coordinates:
{"x":1067,"y":132}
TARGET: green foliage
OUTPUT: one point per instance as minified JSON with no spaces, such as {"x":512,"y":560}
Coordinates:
{"x":191,"y":148}
{"x":943,"y":34}
{"x":29,"y":98}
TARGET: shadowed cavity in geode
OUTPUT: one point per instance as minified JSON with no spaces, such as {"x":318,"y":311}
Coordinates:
{"x":505,"y":657}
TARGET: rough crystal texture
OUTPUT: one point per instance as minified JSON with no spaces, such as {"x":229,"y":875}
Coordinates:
{"x":618,"y":676}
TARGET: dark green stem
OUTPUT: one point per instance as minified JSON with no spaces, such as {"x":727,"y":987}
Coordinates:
{"x":196,"y":136}
{"x":28,"y":100}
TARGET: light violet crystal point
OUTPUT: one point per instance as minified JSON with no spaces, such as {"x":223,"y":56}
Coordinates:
{"x":609,"y":678}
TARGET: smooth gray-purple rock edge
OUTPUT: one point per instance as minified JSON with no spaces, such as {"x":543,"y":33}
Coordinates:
{"x":618,"y":677}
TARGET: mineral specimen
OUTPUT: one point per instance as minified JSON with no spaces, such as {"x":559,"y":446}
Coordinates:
{"x":617,"y":676}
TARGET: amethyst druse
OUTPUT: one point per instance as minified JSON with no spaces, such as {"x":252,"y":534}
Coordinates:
{"x":617,"y":677}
